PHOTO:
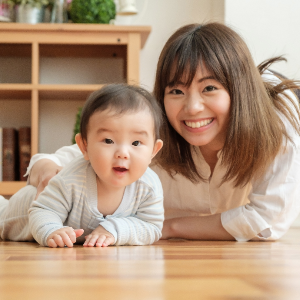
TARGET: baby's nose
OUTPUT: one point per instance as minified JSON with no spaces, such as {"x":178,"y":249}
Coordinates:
{"x":122,"y":153}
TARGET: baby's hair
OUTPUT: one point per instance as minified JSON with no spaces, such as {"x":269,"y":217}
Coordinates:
{"x":120,"y":99}
{"x":255,"y":133}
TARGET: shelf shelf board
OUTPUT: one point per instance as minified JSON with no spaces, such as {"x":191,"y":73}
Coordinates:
{"x":74,"y":29}
{"x":10,"y":91}
{"x":66,"y":92}
{"x":8,"y":188}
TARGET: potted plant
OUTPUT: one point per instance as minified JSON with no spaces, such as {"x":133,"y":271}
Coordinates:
{"x":29,"y":11}
{"x":77,"y":124}
{"x":92,"y":11}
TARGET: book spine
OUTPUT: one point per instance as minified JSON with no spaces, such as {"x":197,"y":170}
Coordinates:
{"x":9,"y":154}
{"x":24,"y":150}
{"x":1,"y":154}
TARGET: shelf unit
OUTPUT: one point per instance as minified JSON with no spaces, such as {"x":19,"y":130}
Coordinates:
{"x":63,"y":41}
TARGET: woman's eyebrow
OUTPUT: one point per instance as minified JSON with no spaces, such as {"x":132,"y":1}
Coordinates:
{"x":206,"y":77}
{"x":172,"y":83}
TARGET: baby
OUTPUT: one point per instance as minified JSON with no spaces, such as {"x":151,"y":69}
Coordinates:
{"x":109,"y":193}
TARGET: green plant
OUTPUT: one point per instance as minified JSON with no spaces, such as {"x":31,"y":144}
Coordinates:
{"x":34,"y":3}
{"x":92,"y":11}
{"x":77,"y":124}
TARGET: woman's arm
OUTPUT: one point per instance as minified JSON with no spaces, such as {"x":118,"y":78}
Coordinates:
{"x":43,"y":167}
{"x":196,"y":228}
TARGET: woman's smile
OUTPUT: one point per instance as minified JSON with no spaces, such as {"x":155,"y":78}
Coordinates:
{"x":198,"y":124}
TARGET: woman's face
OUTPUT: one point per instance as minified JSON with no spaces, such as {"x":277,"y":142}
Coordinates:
{"x":200,"y":112}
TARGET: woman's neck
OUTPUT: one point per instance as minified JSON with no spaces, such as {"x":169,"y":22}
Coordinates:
{"x":210,"y":156}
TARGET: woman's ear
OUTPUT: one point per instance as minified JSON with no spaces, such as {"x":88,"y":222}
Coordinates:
{"x":157,"y":146}
{"x":82,"y":145}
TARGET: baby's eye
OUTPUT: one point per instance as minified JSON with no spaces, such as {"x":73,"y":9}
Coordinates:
{"x":176,"y":92}
{"x":108,"y":141}
{"x":209,"y":88}
{"x":136,"y":143}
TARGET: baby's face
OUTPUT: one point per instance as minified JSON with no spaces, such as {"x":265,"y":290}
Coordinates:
{"x":120,"y":147}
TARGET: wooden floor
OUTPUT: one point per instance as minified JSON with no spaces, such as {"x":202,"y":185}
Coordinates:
{"x":174,"y":269}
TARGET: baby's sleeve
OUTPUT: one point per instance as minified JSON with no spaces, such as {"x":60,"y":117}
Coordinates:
{"x":50,"y":210}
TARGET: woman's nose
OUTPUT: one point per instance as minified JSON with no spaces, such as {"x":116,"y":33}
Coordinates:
{"x":194,"y":104}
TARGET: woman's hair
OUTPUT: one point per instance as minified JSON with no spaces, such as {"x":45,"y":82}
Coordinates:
{"x":120,"y":99}
{"x":255,"y":132}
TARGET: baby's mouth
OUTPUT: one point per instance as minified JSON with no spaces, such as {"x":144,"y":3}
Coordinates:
{"x":120,"y":169}
{"x":198,"y":124}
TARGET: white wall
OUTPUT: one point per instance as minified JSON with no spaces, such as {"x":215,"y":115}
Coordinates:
{"x":165,"y":17}
{"x":270,"y":28}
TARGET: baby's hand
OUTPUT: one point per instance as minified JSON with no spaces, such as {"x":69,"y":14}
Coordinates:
{"x":99,"y":237}
{"x":63,"y":236}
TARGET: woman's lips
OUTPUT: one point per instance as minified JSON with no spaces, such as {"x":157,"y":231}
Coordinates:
{"x":198,"y":124}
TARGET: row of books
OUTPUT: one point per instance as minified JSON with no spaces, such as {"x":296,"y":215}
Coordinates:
{"x":15,"y":153}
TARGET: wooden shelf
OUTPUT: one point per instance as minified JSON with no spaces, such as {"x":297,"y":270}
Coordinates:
{"x":33,"y":43}
{"x":10,"y":187}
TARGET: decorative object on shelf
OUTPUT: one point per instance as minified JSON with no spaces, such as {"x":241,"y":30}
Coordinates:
{"x":5,"y":11}
{"x":77,"y":124}
{"x":24,"y":151}
{"x":29,"y":11}
{"x":130,"y":12}
{"x":92,"y":11}
{"x":59,"y":12}
{"x":127,"y":8}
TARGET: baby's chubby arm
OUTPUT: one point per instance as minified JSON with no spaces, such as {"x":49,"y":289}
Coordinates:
{"x":48,"y":213}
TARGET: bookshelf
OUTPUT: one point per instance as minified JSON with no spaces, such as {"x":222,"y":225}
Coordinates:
{"x":32,"y":43}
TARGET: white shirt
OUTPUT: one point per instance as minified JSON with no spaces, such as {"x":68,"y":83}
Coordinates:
{"x":263,"y":209}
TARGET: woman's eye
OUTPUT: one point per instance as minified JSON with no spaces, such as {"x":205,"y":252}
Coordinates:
{"x":209,"y":88}
{"x":136,"y":143}
{"x":176,"y":92}
{"x":108,"y":141}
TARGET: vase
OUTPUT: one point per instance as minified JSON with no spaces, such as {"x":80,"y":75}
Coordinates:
{"x":59,"y":12}
{"x":26,"y":13}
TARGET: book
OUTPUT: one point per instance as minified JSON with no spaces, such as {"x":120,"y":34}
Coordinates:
{"x":1,"y":149}
{"x":24,"y":151}
{"x":9,"y":154}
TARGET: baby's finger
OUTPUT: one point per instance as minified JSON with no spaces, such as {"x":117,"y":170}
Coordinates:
{"x":52,"y":244}
{"x":72,"y":235}
{"x":78,"y":232}
{"x":66,"y":239}
{"x":87,"y":240}
{"x":92,"y":241}
{"x":58,"y":240}
{"x":100,"y":241}
{"x":108,"y":241}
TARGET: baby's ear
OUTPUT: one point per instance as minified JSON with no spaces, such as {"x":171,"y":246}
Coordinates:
{"x":157,"y":146}
{"x":82,"y":145}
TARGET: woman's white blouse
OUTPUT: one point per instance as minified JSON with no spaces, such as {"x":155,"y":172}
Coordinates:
{"x":263,"y":209}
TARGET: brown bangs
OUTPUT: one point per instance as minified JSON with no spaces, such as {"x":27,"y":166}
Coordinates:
{"x":185,"y":55}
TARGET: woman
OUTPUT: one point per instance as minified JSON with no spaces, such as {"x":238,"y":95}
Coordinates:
{"x":230,"y":165}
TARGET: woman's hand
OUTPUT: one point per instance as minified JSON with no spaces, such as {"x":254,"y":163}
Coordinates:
{"x":41,"y":172}
{"x":99,"y":237}
{"x":63,"y":237}
{"x":166,"y":231}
